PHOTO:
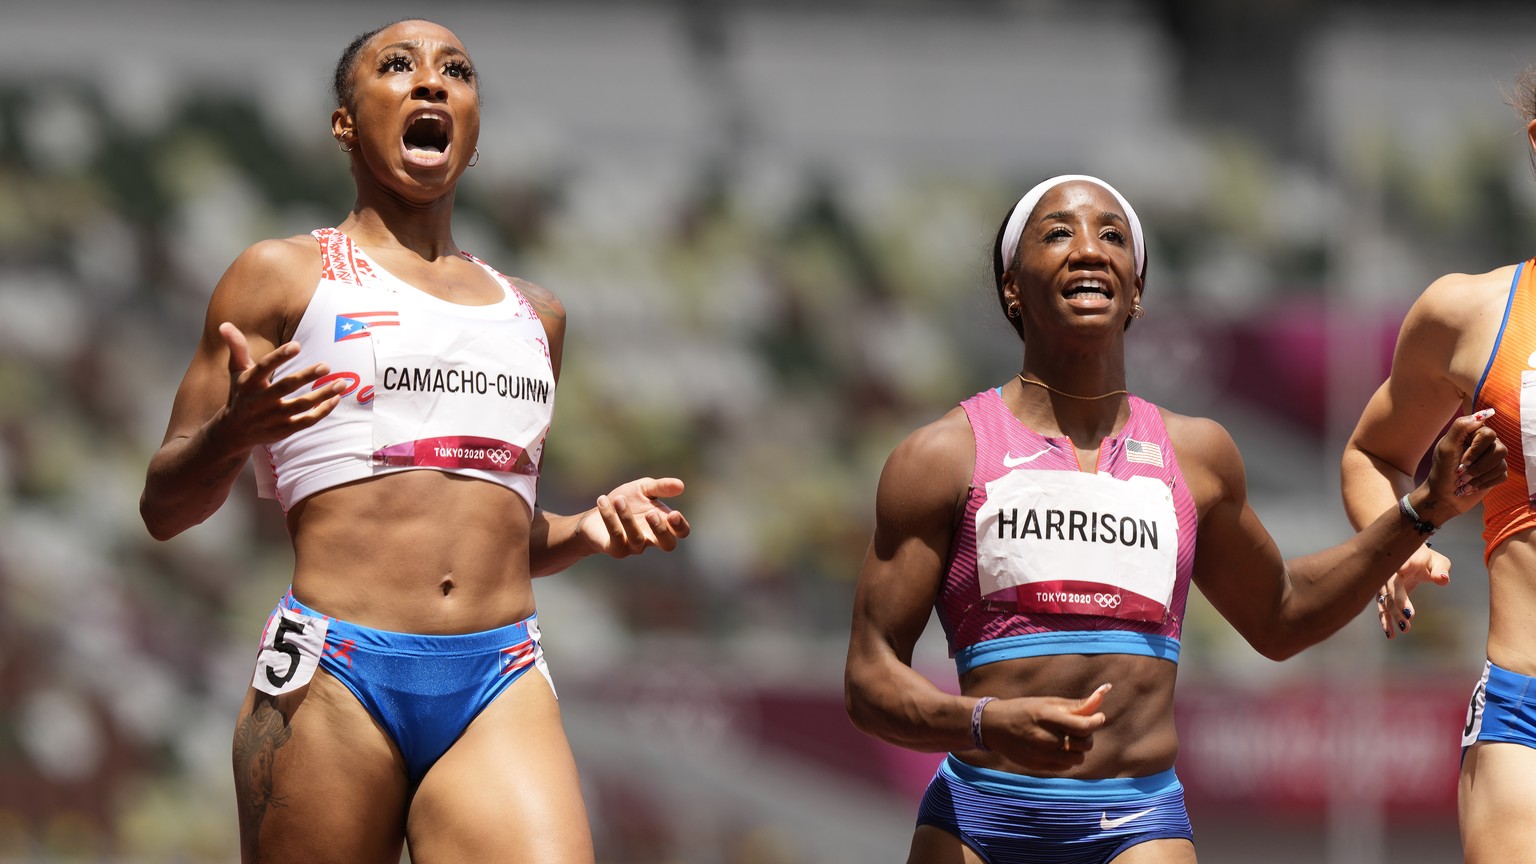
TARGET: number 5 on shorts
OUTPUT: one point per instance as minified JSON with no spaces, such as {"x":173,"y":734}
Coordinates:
{"x":290,"y":652}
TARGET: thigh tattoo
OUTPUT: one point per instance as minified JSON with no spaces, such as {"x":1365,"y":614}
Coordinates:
{"x":258,"y":736}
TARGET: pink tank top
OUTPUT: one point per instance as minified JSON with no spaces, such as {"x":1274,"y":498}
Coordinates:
{"x":430,"y":384}
{"x":1048,"y":559}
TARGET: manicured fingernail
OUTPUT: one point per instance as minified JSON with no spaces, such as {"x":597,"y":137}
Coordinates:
{"x":1407,"y":613}
{"x":1402,"y":625}
{"x":1483,"y":414}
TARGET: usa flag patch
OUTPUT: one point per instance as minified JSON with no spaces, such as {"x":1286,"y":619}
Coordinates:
{"x":1145,"y":452}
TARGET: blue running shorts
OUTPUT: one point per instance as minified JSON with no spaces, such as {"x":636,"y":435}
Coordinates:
{"x":1503,"y":708}
{"x":424,"y":690}
{"x":1018,"y":819}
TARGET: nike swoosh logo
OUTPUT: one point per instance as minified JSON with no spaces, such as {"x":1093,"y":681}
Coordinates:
{"x":1010,"y":462}
{"x":1109,"y":824}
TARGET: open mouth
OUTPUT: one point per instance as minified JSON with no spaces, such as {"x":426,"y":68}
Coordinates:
{"x":427,"y":137}
{"x":1087,"y":289}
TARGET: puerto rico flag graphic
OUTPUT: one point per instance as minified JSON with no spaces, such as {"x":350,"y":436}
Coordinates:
{"x":519,"y":656}
{"x":355,"y":325}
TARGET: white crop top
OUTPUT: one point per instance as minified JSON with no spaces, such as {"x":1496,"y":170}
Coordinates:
{"x":430,"y":384}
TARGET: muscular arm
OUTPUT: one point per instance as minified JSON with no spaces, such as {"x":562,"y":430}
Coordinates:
{"x":1441,"y":351}
{"x":1283,"y":606}
{"x":226,"y":404}
{"x":1444,"y":342}
{"x":921,"y":491}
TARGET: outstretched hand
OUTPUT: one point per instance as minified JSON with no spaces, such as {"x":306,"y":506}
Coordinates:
{"x":633,"y":518}
{"x":1393,"y":608}
{"x":1046,"y":733}
{"x":259,"y":410}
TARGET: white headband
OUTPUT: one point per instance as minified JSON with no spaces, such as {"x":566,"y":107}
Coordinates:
{"x":1026,"y":206}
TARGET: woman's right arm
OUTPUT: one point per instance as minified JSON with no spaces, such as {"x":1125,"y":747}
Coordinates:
{"x":922,"y":489}
{"x":1399,"y":425}
{"x":227,"y":403}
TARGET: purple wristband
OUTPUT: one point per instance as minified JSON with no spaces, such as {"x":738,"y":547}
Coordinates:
{"x":976,"y":721}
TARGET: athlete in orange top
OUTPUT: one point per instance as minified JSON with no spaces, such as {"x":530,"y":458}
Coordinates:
{"x":1466,"y":344}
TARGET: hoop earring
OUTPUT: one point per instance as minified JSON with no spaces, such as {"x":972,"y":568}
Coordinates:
{"x":1137,"y":311}
{"x":1013,"y":310}
{"x":475,"y":159}
{"x":340,"y":146}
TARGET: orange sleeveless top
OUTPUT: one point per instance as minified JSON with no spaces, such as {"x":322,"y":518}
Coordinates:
{"x":1507,"y":509}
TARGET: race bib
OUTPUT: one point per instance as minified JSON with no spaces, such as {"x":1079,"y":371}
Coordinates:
{"x":290,"y":651}
{"x":459,"y":399}
{"x":1077,"y":543}
{"x":1528,"y":429}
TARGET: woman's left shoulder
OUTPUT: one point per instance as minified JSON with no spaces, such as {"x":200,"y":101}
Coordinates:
{"x":543,"y":299}
{"x":1208,"y":457}
{"x":1197,"y":439}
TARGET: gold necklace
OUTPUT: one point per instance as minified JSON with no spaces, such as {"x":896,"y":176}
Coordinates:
{"x":1024,"y":380}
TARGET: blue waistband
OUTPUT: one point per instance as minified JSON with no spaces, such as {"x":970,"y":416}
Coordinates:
{"x":1025,"y":786}
{"x":418,"y":643}
{"x":1067,"y":642}
{"x":1505,"y":681}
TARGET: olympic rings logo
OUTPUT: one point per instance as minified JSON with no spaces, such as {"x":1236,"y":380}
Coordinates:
{"x":1107,"y":601}
{"x":498,"y":455}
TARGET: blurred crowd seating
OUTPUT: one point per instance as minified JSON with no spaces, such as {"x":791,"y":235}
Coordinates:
{"x":768,"y":337}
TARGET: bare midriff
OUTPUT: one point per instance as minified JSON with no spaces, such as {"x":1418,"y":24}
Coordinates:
{"x":1137,"y":738}
{"x":414,"y":552}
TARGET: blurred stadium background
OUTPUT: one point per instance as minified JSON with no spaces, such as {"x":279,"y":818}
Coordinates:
{"x":770,"y":223}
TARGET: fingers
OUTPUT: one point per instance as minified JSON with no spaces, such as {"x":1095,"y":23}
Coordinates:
{"x":634,"y":518}
{"x":608,"y":512}
{"x":637,"y":532}
{"x":1482,"y":464}
{"x":667,"y":527}
{"x":1066,"y":738}
{"x":306,"y":419}
{"x":1463,"y":427}
{"x":1082,"y":716}
{"x":1090,"y":704}
{"x":660,"y":487}
{"x":1394,"y":608}
{"x":629,"y":531}
{"x":1439,"y":569}
{"x":678,"y":524}
{"x":1384,"y":613}
{"x":239,"y":350}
